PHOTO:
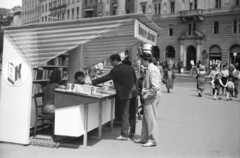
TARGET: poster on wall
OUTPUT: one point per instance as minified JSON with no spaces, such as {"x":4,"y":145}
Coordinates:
{"x":15,"y":72}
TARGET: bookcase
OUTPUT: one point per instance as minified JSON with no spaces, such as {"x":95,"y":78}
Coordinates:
{"x":41,"y":77}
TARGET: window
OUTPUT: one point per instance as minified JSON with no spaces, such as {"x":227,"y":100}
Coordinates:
{"x":42,"y":19}
{"x":73,"y":13}
{"x":191,"y":6}
{"x":107,"y":13}
{"x":68,"y":13}
{"x":216,"y":27}
{"x":195,"y":4}
{"x":218,"y":4}
{"x":42,"y":8}
{"x":100,"y":1}
{"x":237,"y":2}
{"x":68,"y":1}
{"x":49,"y":5}
{"x":236,"y":26}
{"x":77,"y":12}
{"x":45,"y":18}
{"x":191,"y":28}
{"x":172,"y":6}
{"x":170,"y":30}
{"x":144,"y":9}
{"x":63,"y":16}
{"x":45,"y":7}
{"x":157,"y":8}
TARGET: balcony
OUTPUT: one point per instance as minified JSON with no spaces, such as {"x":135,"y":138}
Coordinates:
{"x":58,"y":7}
{"x":89,"y":8}
{"x":191,"y":15}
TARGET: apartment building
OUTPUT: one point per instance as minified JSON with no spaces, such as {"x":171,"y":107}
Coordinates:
{"x":40,"y":11}
{"x":196,"y":29}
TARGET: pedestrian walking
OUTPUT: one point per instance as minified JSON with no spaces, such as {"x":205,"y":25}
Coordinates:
{"x":217,"y":84}
{"x":151,"y":95}
{"x":235,"y":78}
{"x":168,"y":78}
{"x":212,"y":76}
{"x":125,"y":82}
{"x":224,"y":75}
{"x":200,"y":81}
{"x":229,"y":88}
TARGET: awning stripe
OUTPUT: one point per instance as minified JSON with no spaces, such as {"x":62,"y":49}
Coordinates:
{"x":39,"y":43}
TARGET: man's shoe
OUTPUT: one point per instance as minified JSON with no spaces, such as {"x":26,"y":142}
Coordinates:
{"x":121,"y":138}
{"x":149,"y":144}
{"x":131,"y":136}
{"x":139,"y":141}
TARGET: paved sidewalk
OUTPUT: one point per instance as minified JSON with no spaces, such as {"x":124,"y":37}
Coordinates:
{"x":189,"y":127}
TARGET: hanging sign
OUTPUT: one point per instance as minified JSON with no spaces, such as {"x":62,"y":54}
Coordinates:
{"x":144,"y":33}
{"x":15,"y":72}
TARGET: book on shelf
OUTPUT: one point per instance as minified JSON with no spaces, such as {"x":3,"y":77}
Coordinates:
{"x":37,"y":88}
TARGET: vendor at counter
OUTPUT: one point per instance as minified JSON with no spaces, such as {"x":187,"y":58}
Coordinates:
{"x":125,"y":82}
{"x":79,"y":77}
{"x":49,"y":92}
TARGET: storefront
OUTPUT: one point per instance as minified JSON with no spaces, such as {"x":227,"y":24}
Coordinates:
{"x":87,"y":41}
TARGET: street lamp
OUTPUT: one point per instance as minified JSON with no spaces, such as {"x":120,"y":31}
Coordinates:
{"x":234,"y":57}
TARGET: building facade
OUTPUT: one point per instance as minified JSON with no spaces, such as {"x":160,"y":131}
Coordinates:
{"x":4,"y":21}
{"x":199,"y":30}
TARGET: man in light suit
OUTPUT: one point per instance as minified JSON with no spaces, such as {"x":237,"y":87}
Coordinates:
{"x":151,"y":92}
{"x":125,"y":82}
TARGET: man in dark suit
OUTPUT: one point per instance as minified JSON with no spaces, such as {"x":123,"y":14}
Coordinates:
{"x":125,"y":82}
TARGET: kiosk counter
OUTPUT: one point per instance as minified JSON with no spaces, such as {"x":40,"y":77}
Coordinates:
{"x":80,"y":112}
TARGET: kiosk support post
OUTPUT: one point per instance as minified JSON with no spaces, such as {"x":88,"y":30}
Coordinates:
{"x":100,"y":121}
{"x":85,"y":125}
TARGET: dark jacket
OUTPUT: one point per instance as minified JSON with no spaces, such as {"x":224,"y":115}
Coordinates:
{"x":124,"y":79}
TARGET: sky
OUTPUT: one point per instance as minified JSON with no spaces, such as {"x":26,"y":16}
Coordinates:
{"x":9,"y":4}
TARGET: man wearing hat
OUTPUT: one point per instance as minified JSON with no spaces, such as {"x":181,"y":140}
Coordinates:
{"x":151,"y":91}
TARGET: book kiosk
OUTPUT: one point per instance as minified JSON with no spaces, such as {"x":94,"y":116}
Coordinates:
{"x":86,"y":41}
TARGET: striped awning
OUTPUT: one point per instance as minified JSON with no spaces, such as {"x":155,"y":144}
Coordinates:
{"x":103,"y":36}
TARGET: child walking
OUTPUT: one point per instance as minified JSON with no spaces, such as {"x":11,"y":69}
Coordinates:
{"x":217,"y":84}
{"x":229,"y":89}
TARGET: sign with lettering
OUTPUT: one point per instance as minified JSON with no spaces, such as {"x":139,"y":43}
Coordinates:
{"x":144,"y":33}
{"x":15,"y":72}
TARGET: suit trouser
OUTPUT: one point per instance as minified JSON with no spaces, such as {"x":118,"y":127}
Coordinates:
{"x":149,"y":122}
{"x":124,"y":110}
{"x":132,"y":114}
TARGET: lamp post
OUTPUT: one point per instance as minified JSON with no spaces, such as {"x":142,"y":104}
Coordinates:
{"x":234,"y":57}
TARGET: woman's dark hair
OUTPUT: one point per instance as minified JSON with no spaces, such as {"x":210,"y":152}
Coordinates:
{"x":115,"y":57}
{"x":56,"y":76}
{"x":147,"y":57}
{"x":79,"y":74}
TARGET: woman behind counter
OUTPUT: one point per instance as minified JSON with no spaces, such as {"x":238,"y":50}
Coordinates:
{"x":79,"y":77}
{"x":49,"y":92}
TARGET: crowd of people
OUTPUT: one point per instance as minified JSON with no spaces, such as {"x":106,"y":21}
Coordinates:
{"x":224,"y":80}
